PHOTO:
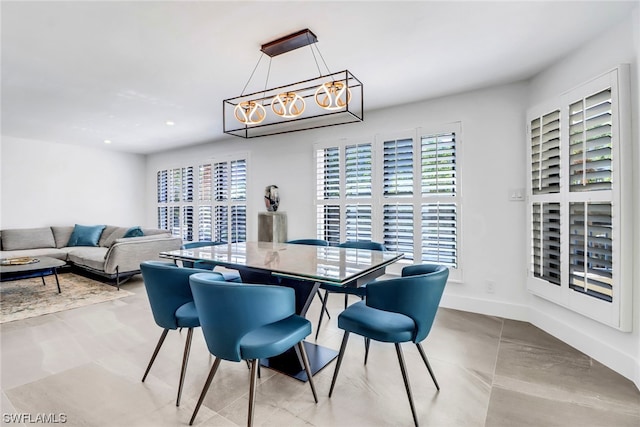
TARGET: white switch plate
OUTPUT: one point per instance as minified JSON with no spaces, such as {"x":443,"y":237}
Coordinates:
{"x":516,"y":194}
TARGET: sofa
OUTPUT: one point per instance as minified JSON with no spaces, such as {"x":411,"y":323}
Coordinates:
{"x":106,"y":251}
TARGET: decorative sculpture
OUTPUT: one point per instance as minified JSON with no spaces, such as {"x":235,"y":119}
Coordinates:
{"x":271,"y":198}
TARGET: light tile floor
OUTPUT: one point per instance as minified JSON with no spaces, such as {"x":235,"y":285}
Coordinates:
{"x":87,"y":364}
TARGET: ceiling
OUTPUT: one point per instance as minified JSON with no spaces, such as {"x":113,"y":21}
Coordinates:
{"x":82,"y":72}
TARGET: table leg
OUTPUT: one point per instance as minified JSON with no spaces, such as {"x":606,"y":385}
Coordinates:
{"x":290,"y":362}
{"x":55,"y":273}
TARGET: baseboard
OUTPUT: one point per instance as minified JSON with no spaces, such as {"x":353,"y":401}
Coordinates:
{"x":622,"y":363}
{"x":486,"y":307}
{"x":616,"y":360}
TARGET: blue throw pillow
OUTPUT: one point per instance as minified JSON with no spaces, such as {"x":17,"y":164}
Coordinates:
{"x":133,"y":232}
{"x":86,"y":235}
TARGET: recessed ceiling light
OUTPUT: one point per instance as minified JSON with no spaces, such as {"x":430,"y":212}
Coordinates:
{"x":107,"y":141}
{"x":169,"y":123}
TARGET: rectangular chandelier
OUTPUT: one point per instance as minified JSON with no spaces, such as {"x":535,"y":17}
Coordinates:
{"x":328,"y":100}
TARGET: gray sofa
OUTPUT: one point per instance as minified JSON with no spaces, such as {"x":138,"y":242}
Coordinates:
{"x":115,"y":257}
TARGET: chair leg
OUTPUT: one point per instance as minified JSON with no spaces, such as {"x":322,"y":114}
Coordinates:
{"x":346,"y":300}
{"x":155,"y":353}
{"x":322,"y":301}
{"x":185,"y":360}
{"x":426,"y":362}
{"x":324,"y":308}
{"x":367,"y":341}
{"x":305,"y":361}
{"x":345,"y":338}
{"x":252,"y":390}
{"x":406,"y":382}
{"x":205,"y":389}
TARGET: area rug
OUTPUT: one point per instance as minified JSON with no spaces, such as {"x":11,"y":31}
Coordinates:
{"x":25,"y":298}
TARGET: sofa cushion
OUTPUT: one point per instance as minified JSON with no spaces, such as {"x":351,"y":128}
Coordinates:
{"x":88,"y":256}
{"x":118,"y":233}
{"x":62,"y":235}
{"x":109,"y":229}
{"x":134,"y":232}
{"x":36,"y":253}
{"x":27,"y":238}
{"x":155,"y":231}
{"x":86,"y":235}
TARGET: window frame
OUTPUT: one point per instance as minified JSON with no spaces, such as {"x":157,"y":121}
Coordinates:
{"x":197,"y":201}
{"x":616,"y":313}
{"x":378,"y":199}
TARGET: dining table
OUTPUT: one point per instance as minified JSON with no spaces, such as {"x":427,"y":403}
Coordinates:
{"x":301,"y":267}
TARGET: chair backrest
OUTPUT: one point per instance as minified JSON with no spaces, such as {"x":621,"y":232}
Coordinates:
{"x":312,"y":242}
{"x":362,"y":244}
{"x":416,"y":294}
{"x":167,"y":287}
{"x":228,"y":311}
{"x":200,"y":244}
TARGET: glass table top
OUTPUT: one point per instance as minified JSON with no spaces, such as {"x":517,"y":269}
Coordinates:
{"x":321,"y":263}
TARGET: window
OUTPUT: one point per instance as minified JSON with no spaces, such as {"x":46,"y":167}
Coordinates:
{"x":204,"y":202}
{"x":577,"y":204}
{"x":401,"y":190}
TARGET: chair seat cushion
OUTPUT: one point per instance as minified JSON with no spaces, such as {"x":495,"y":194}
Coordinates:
{"x":187,"y":316}
{"x":274,"y":338}
{"x":377,"y":324}
{"x":360,"y":291}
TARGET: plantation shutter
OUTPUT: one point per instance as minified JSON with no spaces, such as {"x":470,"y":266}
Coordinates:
{"x":358,"y":222}
{"x":327,"y":194}
{"x":590,"y":143}
{"x":590,"y":250}
{"x":398,"y":229}
{"x":546,"y":242}
{"x":175,"y":185}
{"x":204,"y":183}
{"x":187,"y":223}
{"x":163,"y":218}
{"x":221,"y":188}
{"x":328,"y":173}
{"x":221,"y":227}
{"x":328,"y":223}
{"x":162,"y":184}
{"x":205,"y":223}
{"x":545,"y":153}
{"x":398,"y":167}
{"x":438,"y":164}
{"x":358,"y":171}
{"x":439,"y":233}
{"x":238,"y":180}
{"x":238,"y":223}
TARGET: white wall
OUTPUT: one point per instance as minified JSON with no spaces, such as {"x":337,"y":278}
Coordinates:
{"x":58,"y":184}
{"x":619,"y":350}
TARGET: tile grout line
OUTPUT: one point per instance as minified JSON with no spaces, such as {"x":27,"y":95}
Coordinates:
{"x":493,"y":376}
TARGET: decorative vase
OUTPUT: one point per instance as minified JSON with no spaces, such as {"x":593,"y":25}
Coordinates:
{"x":271,"y":198}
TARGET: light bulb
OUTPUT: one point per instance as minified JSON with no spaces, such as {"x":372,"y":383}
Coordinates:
{"x":249,"y":113}
{"x":333,"y":95}
{"x":288,"y":105}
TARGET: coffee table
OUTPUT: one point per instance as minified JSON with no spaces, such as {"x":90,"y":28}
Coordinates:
{"x":45,"y":266}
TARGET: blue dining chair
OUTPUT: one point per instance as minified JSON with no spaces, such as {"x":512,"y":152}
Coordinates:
{"x":171,"y":301}
{"x":359,"y":291}
{"x":247,"y":322}
{"x":396,"y":311}
{"x":314,"y":242}
{"x":229,"y":276}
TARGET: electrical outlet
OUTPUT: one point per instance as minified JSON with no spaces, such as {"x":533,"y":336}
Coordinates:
{"x":491,"y":286}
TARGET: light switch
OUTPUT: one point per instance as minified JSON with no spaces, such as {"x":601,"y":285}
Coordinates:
{"x":516,"y":194}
